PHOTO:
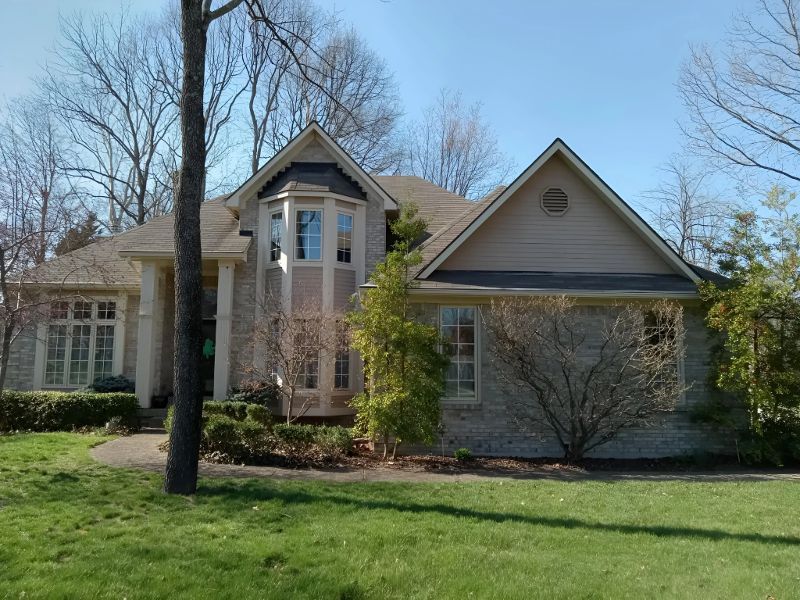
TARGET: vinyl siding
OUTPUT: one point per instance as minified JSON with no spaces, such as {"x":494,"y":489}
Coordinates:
{"x":344,"y":286}
{"x":272,"y":283}
{"x":589,"y":237}
{"x":306,"y":286}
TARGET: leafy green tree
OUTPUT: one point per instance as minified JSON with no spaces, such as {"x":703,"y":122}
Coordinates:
{"x":758,"y":312}
{"x":402,"y":362}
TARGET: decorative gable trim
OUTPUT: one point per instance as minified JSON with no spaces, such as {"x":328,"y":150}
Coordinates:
{"x":617,"y":204}
{"x":249,"y":189}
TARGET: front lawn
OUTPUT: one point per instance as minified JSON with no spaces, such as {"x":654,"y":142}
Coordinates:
{"x":71,"y":528}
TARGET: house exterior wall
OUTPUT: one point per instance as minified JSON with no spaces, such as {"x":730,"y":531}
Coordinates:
{"x":344,"y":286}
{"x":21,"y":360}
{"x":589,"y":237}
{"x":487,"y":428}
{"x":244,"y":298}
{"x":131,"y":337}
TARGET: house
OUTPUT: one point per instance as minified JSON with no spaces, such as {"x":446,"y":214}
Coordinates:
{"x":311,"y":222}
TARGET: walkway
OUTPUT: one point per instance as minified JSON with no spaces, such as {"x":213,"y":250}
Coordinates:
{"x":140,"y":451}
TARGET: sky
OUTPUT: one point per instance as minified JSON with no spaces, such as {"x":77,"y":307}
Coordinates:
{"x":600,"y":75}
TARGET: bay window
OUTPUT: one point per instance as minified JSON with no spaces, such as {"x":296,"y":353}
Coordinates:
{"x":344,"y":237}
{"x":275,"y":235}
{"x":308,"y":235}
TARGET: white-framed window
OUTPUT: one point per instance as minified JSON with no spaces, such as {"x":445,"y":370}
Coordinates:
{"x":80,"y":342}
{"x":344,"y":237}
{"x":308,"y":228}
{"x":275,"y":235}
{"x":458,"y":329}
{"x":307,"y":351}
{"x":341,"y":368}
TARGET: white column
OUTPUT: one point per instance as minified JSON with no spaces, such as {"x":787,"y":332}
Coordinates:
{"x":145,"y":342}
{"x":222,"y":349}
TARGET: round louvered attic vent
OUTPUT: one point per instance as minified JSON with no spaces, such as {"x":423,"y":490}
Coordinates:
{"x":555,"y":201}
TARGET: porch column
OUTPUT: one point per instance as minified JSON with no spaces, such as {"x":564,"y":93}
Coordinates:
{"x":223,"y":344}
{"x":145,"y":342}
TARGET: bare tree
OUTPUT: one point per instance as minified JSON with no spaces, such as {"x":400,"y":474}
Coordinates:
{"x":455,"y":148}
{"x":110,"y":90}
{"x":319,"y":72}
{"x":33,"y":213}
{"x":683,"y":210}
{"x":585,"y":377}
{"x":744,"y":103}
{"x":295,"y":343}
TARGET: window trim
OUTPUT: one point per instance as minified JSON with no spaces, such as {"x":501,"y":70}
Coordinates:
{"x":476,"y":361}
{"x":321,"y":211}
{"x":272,"y":214}
{"x":351,"y":214}
{"x":69,"y":323}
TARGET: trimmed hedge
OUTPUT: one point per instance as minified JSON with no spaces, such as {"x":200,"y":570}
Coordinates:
{"x":233,"y":440}
{"x":64,"y":411}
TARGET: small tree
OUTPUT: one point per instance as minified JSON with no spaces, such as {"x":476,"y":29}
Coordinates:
{"x":79,"y":236}
{"x":584,"y":378}
{"x":294,"y":342}
{"x":403,"y":366}
{"x":758,"y":311}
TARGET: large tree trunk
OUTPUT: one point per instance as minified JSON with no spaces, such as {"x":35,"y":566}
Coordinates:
{"x":181,"y":472}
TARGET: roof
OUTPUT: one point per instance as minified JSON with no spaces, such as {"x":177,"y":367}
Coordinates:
{"x":97,"y":265}
{"x":219,"y":235}
{"x":313,"y":177}
{"x":559,"y":283}
{"x":437,"y":206}
{"x":623,"y":210}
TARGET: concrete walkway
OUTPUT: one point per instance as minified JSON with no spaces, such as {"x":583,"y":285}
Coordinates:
{"x":140,"y":451}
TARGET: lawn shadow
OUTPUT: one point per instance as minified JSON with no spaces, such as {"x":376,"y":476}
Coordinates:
{"x":254,"y":493}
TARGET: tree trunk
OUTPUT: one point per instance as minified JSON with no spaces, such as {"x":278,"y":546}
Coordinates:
{"x":181,"y":472}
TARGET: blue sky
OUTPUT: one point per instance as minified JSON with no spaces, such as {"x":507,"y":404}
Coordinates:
{"x":600,"y":75}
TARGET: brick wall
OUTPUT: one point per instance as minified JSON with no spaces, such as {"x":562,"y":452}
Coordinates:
{"x":244,"y":298}
{"x":376,"y":234}
{"x":487,"y":428}
{"x":21,"y":360}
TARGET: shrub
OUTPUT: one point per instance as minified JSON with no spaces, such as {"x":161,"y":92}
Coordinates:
{"x":333,"y":441}
{"x":294,"y":436}
{"x":64,"y":411}
{"x":259,"y":414}
{"x":266,"y":393}
{"x":234,"y":410}
{"x":463,"y":455}
{"x":115,"y":383}
{"x":234,"y":440}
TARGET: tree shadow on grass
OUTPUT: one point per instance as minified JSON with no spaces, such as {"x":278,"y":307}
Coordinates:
{"x":253,"y":493}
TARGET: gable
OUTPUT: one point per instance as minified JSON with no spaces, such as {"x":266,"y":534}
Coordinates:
{"x":590,"y":237}
{"x":312,"y":145}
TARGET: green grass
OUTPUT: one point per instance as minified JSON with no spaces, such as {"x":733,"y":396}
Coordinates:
{"x":71,"y":528}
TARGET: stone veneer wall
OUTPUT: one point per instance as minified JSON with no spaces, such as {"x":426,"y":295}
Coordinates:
{"x":376,"y":234}
{"x":21,"y":360}
{"x":131,"y":336}
{"x":486,"y":428}
{"x":244,"y":298}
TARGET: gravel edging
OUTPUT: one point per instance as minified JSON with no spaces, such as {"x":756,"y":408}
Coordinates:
{"x":140,"y":451}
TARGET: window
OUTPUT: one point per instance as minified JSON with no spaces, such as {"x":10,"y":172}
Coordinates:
{"x":307,"y":352}
{"x":275,"y":232}
{"x":341,"y":371}
{"x":80,"y":343}
{"x":344,"y":237}
{"x":309,"y":235}
{"x":458,"y":332}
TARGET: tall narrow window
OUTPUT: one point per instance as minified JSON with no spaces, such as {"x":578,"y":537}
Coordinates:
{"x":458,"y":331}
{"x":306,"y":343}
{"x":275,"y":233}
{"x":309,"y":235}
{"x":80,"y":343}
{"x":344,"y":237}
{"x":341,"y":371}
